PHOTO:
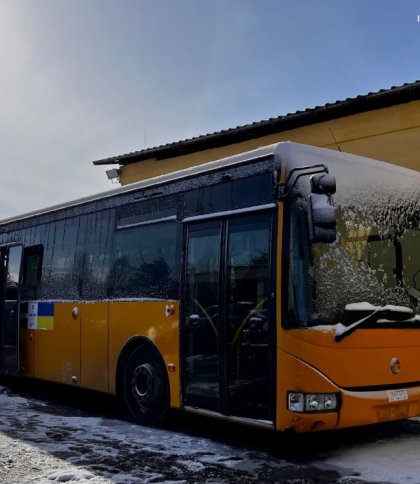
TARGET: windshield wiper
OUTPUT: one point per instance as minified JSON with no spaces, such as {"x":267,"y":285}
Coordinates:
{"x":389,"y":313}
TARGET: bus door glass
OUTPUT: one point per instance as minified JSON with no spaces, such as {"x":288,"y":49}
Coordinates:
{"x":11,"y":258}
{"x":201,"y":331}
{"x":247,"y":317}
{"x":227,"y":326}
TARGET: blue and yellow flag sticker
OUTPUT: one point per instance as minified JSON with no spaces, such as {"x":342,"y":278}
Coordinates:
{"x":41,"y":315}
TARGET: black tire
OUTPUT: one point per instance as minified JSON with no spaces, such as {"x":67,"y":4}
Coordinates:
{"x":146,"y":385}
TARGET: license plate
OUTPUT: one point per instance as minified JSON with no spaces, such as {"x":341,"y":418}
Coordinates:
{"x":397,"y":395}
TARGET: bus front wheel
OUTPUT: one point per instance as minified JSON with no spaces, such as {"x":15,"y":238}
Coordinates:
{"x":146,"y":387}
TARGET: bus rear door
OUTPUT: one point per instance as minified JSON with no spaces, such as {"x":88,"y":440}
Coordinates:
{"x":10,"y":279}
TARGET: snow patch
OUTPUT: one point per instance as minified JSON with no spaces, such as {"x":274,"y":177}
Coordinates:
{"x":365,"y":306}
{"x":361,"y":306}
{"x":73,"y":476}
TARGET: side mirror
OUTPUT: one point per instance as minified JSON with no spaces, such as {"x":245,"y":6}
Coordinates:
{"x":323,"y":184}
{"x":321,"y":211}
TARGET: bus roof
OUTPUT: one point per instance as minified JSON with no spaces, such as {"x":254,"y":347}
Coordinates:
{"x":292,"y":154}
{"x":236,"y":160}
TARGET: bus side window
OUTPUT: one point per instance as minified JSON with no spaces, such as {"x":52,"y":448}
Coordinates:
{"x":32,"y":270}
{"x":145,"y":262}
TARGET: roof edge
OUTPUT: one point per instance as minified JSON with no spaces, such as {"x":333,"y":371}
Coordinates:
{"x":359,"y":104}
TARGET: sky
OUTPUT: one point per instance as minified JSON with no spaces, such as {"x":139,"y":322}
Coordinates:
{"x":83,"y":80}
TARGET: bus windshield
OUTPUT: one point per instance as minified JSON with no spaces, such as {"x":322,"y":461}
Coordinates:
{"x":376,"y":256}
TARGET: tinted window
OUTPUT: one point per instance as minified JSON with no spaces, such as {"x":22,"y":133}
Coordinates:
{"x":93,"y":254}
{"x":32,"y":270}
{"x":145,"y":262}
{"x":13,"y":272}
{"x":253,"y":190}
{"x":60,"y":262}
{"x":245,"y":192}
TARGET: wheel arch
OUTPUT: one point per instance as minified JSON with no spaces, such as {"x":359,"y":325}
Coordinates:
{"x":129,"y":346}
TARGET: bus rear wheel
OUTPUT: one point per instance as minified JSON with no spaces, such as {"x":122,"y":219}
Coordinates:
{"x":146,"y":387}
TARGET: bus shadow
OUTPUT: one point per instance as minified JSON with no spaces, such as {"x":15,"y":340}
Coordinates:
{"x":291,"y":446}
{"x":56,"y":399}
{"x":64,"y":400}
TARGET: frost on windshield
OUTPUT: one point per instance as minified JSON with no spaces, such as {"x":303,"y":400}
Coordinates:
{"x":341,"y":280}
{"x":376,"y":256}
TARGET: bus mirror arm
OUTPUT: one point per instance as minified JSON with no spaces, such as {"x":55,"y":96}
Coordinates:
{"x":285,"y":189}
{"x":321,"y":211}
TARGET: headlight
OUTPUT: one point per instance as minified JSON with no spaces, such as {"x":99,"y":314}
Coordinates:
{"x":312,"y":402}
{"x":296,"y":402}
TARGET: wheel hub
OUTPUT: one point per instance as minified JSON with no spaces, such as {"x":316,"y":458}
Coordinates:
{"x":144,"y":383}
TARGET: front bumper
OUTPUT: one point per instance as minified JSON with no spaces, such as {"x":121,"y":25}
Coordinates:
{"x":368,"y":407}
{"x":361,"y":407}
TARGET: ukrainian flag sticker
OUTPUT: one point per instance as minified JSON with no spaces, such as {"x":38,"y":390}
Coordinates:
{"x":41,"y":315}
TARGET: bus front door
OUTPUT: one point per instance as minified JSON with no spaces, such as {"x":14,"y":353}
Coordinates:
{"x":10,"y":278}
{"x":228,"y":324}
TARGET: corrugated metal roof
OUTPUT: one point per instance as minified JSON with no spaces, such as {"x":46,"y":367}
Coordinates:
{"x":368,"y":102}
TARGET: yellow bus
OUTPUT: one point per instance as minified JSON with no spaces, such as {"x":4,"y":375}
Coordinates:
{"x":279,"y":287}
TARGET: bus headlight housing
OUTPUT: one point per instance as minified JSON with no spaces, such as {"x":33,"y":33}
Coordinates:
{"x":312,"y":402}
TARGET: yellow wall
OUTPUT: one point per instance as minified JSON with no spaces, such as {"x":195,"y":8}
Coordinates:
{"x":390,"y":134}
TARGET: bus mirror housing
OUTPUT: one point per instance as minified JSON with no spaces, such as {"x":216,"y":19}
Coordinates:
{"x":323,"y":184}
{"x":321,"y":211}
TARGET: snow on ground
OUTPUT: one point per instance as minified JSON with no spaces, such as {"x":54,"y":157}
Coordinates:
{"x":45,"y":447}
{"x":43,"y":443}
{"x":392,"y":460}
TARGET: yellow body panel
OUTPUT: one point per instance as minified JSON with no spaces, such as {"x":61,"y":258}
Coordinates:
{"x":294,"y":375}
{"x":57,"y":351}
{"x":309,"y":360}
{"x":94,"y":346}
{"x":361,"y":408}
{"x":362,"y":359}
{"x":149,"y":319}
{"x":84,"y":348}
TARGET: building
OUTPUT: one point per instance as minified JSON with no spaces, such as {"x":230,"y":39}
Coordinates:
{"x":383,"y":125}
